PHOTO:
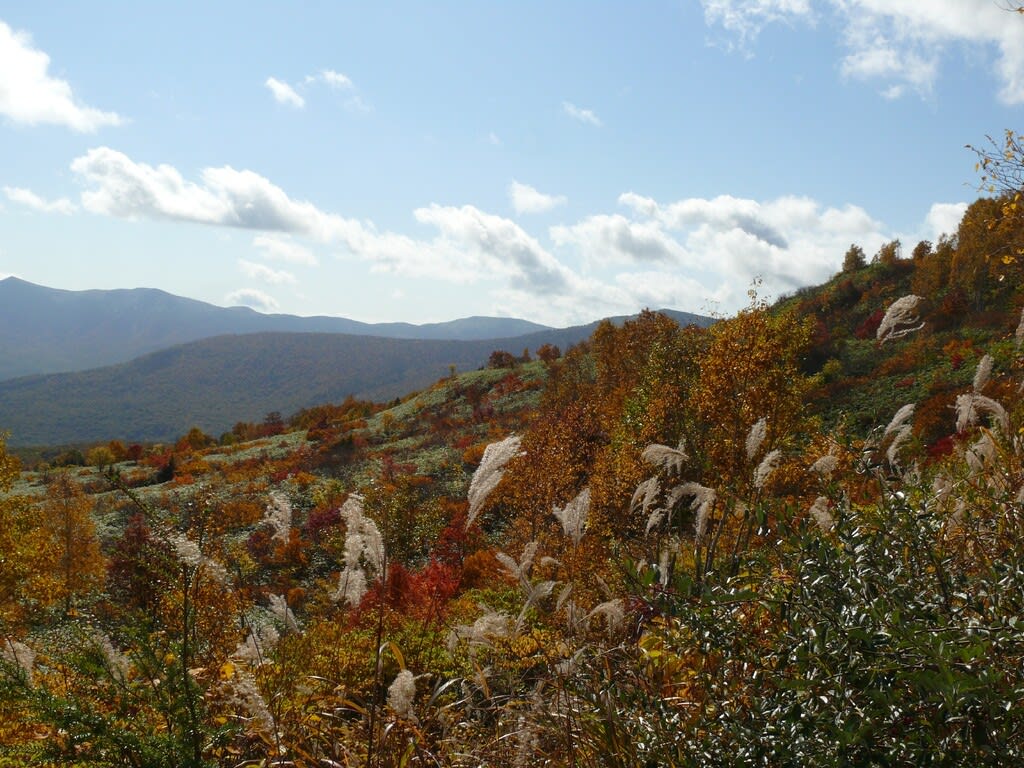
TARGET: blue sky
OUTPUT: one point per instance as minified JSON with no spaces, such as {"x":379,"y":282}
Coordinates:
{"x":555,"y":161}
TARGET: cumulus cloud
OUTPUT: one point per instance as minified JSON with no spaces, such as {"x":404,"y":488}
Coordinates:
{"x":265,"y":274}
{"x":495,"y":245}
{"x":526,"y":199}
{"x":284,"y":93}
{"x":722,"y":243}
{"x":583,"y":115}
{"x":901,"y":42}
{"x":469,"y":245}
{"x":944,"y":219}
{"x":119,"y":186}
{"x":252,"y":298}
{"x":31,"y":200}
{"x":283,"y":248}
{"x":30,"y":95}
{"x":613,"y":238}
{"x":685,"y":253}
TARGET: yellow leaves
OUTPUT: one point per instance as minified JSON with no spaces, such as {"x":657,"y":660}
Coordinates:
{"x":226,"y":671}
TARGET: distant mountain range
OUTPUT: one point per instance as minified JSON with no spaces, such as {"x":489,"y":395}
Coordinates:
{"x":48,"y":330}
{"x":218,"y":377}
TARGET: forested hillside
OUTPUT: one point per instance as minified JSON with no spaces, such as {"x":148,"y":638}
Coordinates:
{"x":792,"y":538}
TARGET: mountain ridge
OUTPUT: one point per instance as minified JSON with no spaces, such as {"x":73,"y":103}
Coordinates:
{"x":216,"y":382}
{"x":52,"y":330}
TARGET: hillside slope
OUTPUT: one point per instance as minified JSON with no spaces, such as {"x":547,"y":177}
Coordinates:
{"x":214,"y":383}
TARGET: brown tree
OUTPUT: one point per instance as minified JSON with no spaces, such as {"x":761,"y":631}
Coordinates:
{"x":854,"y":259}
{"x":71,"y":565}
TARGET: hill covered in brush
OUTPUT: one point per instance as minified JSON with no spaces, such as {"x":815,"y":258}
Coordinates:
{"x":791,"y":538}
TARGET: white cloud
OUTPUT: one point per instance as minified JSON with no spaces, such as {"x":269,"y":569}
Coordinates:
{"x":29,"y":95}
{"x":470,"y":244}
{"x":892,"y":93}
{"x":723,"y":243}
{"x":30,"y":199}
{"x":944,"y":219}
{"x":253,"y":298}
{"x":489,"y":244}
{"x":661,"y":290}
{"x":614,"y":239}
{"x":119,"y":186}
{"x":583,"y":115}
{"x":284,"y":93}
{"x":901,"y":42}
{"x":683,"y":253}
{"x":526,"y":199}
{"x":745,"y":18}
{"x":493,"y":139}
{"x":265,"y":274}
{"x":282,"y":248}
{"x":336,"y":79}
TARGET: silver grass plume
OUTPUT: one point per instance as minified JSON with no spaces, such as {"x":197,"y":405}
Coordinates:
{"x":902,"y":430}
{"x":18,"y":653}
{"x":534,"y":594}
{"x":257,"y":645}
{"x":480,"y":633}
{"x":901,"y":319}
{"x":402,"y":693}
{"x":489,"y":473}
{"x":982,"y":453}
{"x":573,"y":516}
{"x":278,"y":515}
{"x":242,"y":692}
{"x":363,"y":541}
{"x":352,"y":586}
{"x":825,"y":466}
{"x":654,"y":520}
{"x":892,"y":453}
{"x":755,"y":437}
{"x":942,"y":489}
{"x":970,"y":406}
{"x":563,"y":595}
{"x":192,"y":557}
{"x":666,"y":458}
{"x":645,"y":494}
{"x":902,"y":416}
{"x":520,"y":570}
{"x":667,"y":560}
{"x":819,"y":511}
{"x":983,"y":373}
{"x":614,"y":613}
{"x":702,"y":504}
{"x":364,"y":550}
{"x":768,"y":465}
{"x":279,"y":608}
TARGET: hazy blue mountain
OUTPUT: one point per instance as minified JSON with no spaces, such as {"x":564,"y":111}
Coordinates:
{"x":48,"y":330}
{"x":214,"y":383}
